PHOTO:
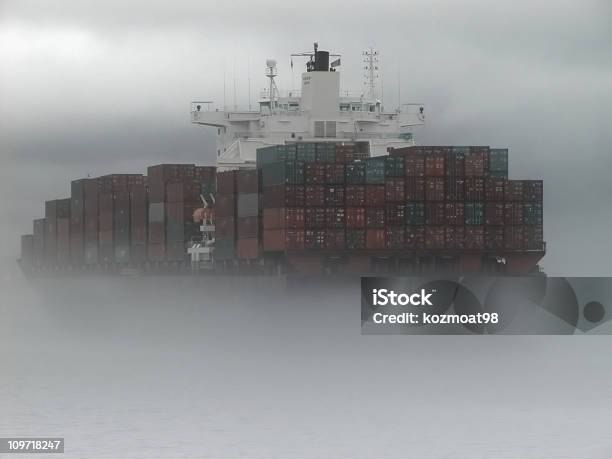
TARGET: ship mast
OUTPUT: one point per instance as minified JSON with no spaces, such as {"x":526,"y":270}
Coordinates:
{"x":370,"y":59}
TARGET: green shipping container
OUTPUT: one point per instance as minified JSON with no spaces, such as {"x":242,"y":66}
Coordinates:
{"x":306,"y":152}
{"x":275,"y":153}
{"x":498,"y":159}
{"x":498,"y":174}
{"x":394,"y":166}
{"x":474,"y":213}
{"x":283,"y":173}
{"x":225,"y":249}
{"x":375,"y":171}
{"x":355,"y":173}
{"x":532,"y":213}
{"x":415,"y":213}
{"x":326,"y":152}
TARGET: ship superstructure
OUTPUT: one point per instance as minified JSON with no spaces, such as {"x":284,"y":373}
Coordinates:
{"x":319,"y":112}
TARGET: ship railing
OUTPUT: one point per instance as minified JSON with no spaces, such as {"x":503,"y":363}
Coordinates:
{"x":209,"y":106}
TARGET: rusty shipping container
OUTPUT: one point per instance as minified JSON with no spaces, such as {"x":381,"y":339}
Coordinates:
{"x":375,"y":195}
{"x":355,"y":195}
{"x":283,"y":195}
{"x":314,"y":195}
{"x":355,"y":217}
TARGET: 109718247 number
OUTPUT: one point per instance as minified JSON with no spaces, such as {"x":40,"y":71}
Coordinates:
{"x":31,"y":445}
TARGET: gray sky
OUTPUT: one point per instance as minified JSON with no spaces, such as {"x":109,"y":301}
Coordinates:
{"x":98,"y":87}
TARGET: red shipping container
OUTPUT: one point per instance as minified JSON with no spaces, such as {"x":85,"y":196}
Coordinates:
{"x":314,"y":173}
{"x":434,"y":189}
{"x":415,"y":237}
{"x":183,"y":191}
{"x":435,"y":213}
{"x":514,"y":190}
{"x":435,"y":237}
{"x":314,"y":195}
{"x":394,"y":189}
{"x":225,"y":205}
{"x":247,"y":249}
{"x":247,"y":227}
{"x":474,"y":189}
{"x":335,"y":239}
{"x":475,"y":164}
{"x":514,"y":238}
{"x":494,"y":213}
{"x":406,"y":151}
{"x":474,"y":238}
{"x":226,"y":182}
{"x":494,"y":237}
{"x":248,"y":181}
{"x":414,"y":189}
{"x":454,"y":189}
{"x":157,"y":232}
{"x":434,"y":165}
{"x":314,"y":218}
{"x":156,"y":252}
{"x":283,"y":195}
{"x":334,"y":174}
{"x":355,"y":217}
{"x":375,"y":217}
{"x":494,"y":189}
{"x":394,"y":237}
{"x":295,"y":217}
{"x":355,"y":195}
{"x":63,"y":241}
{"x":335,"y":217}
{"x":455,"y":165}
{"x":274,"y":240}
{"x":225,"y":227}
{"x":375,"y":239}
{"x":334,"y":195}
{"x":414,"y":165}
{"x":138,"y":214}
{"x":375,"y":195}
{"x":513,"y":213}
{"x":395,"y":214}
{"x":295,"y":239}
{"x":454,"y":237}
{"x":454,"y":213}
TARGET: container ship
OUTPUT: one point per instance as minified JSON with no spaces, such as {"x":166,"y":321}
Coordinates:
{"x":313,"y":182}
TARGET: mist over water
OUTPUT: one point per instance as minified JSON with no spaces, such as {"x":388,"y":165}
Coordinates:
{"x":160,"y":367}
{"x":175,"y":367}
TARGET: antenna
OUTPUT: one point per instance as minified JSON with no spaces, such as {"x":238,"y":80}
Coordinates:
{"x":224,"y":77}
{"x":399,"y":87}
{"x":249,"y":79}
{"x":235,"y":106}
{"x":271,"y":74}
{"x":370,"y":59}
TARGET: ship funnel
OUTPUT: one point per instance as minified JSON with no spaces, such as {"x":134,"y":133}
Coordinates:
{"x":321,"y":61}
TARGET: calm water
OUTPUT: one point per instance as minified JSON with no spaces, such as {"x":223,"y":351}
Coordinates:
{"x":158,"y":368}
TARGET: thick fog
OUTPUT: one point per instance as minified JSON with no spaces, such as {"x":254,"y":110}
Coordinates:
{"x":178,"y":370}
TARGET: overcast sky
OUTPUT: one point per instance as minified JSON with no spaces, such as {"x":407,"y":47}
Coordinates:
{"x":99,"y":87}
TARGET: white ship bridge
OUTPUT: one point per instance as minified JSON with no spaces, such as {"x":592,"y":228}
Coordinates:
{"x":319,"y":112}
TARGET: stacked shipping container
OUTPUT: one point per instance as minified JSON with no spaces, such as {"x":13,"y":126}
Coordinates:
{"x":225,"y":216}
{"x":302,"y":197}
